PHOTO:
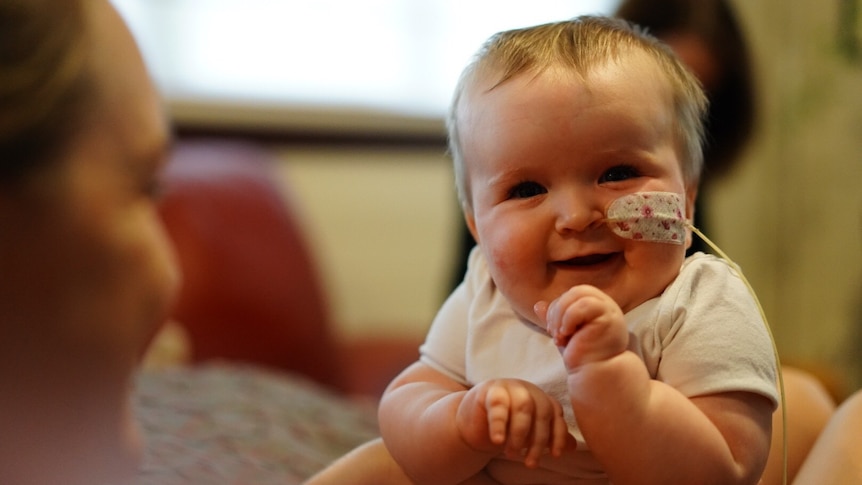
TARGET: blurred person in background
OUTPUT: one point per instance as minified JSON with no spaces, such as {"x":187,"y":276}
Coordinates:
{"x":87,"y":272}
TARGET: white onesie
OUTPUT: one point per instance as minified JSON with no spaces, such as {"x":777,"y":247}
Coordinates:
{"x":703,"y":335}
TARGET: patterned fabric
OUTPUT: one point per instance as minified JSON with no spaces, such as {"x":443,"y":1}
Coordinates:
{"x":224,"y":424}
{"x":649,"y":216}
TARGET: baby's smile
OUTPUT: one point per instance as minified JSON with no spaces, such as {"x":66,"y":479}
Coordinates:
{"x":587,"y":260}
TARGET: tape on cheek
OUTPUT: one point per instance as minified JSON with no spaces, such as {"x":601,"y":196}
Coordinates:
{"x":649,"y":216}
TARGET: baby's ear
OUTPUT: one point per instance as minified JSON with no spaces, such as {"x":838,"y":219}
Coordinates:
{"x":471,"y":224}
{"x":690,"y":198}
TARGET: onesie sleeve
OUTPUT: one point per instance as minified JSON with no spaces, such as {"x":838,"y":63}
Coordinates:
{"x":712,"y":335}
{"x":445,"y":346}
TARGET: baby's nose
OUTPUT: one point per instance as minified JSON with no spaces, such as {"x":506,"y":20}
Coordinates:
{"x":577,"y":214}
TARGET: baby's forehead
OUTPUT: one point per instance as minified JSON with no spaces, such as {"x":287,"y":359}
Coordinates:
{"x":627,"y":103}
{"x":631,"y":64}
{"x":634,"y":71}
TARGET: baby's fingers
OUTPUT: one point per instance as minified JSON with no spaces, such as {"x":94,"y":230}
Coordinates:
{"x":550,"y":433}
{"x":522,"y":420}
{"x":561,"y":436}
{"x":497,"y":402}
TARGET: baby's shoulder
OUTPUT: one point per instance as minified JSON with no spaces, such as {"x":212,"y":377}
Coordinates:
{"x":705,"y":269}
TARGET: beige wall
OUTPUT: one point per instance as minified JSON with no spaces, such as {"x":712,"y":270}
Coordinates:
{"x":792,"y":214}
{"x":385,"y":221}
{"x":384,"y":224}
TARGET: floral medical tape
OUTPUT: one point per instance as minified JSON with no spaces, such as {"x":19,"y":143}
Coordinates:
{"x":648,"y":216}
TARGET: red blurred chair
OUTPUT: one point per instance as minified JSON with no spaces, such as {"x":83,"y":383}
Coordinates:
{"x":251,"y":291}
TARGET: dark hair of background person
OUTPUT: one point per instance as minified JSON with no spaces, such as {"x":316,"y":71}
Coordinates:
{"x":731,"y":117}
{"x":39,"y":108}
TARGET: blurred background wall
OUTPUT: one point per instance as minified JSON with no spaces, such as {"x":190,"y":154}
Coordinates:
{"x":385,"y":224}
{"x":792,"y":213}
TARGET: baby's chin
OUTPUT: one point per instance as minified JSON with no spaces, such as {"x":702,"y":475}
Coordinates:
{"x":530,"y":318}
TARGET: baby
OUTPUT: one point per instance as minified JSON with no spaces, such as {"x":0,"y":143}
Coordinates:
{"x":582,"y":344}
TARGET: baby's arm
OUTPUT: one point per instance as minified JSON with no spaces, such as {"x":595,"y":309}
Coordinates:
{"x":642,"y":430}
{"x":441,"y":432}
{"x":367,"y":464}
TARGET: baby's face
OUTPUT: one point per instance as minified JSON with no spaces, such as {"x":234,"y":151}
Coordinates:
{"x":546,"y":155}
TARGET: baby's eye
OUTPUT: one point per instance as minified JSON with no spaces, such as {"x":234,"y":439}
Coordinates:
{"x":619,"y":173}
{"x":525,"y":190}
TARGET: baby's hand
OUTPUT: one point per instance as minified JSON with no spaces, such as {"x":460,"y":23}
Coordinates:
{"x":586,"y":324}
{"x":516,"y":416}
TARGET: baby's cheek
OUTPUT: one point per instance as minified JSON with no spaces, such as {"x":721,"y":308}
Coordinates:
{"x":499,"y":261}
{"x":502,"y":266}
{"x":499,"y":247}
{"x":515,"y":277}
{"x":512,"y":262}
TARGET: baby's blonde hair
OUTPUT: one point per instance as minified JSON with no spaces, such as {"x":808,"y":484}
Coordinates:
{"x":581,"y":44}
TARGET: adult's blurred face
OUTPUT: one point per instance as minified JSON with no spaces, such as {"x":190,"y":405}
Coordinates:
{"x":89,"y":276}
{"x":694,"y":52}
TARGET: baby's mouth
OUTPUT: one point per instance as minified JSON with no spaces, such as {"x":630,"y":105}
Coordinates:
{"x":588,"y":260}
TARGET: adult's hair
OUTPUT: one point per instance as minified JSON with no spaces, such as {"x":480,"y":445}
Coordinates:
{"x":42,"y":82}
{"x":580,"y":45}
{"x":732,"y":115}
